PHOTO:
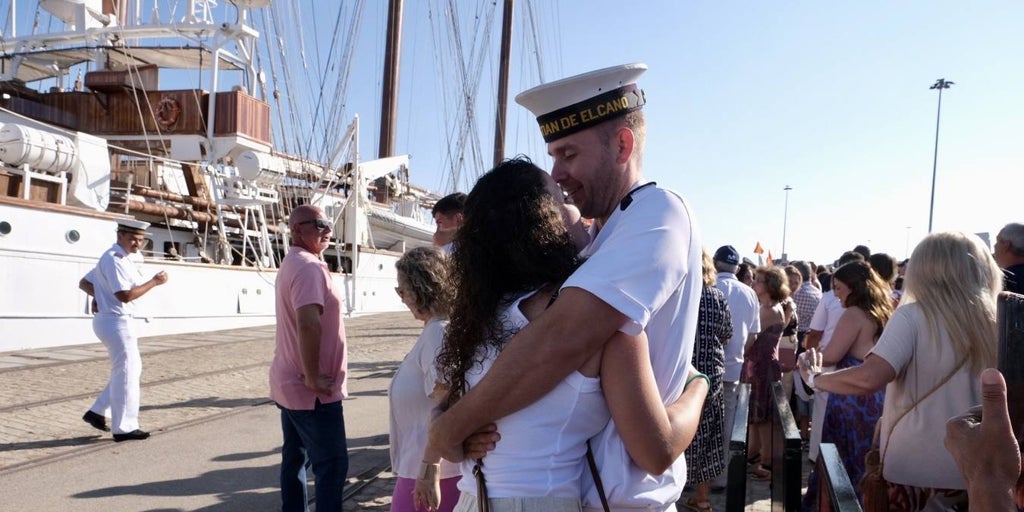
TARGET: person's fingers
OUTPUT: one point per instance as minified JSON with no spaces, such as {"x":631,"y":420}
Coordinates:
{"x":490,"y":427}
{"x":995,"y":414}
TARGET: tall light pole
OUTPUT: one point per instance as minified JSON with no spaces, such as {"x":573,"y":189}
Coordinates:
{"x":785,"y":219}
{"x":939,"y":84}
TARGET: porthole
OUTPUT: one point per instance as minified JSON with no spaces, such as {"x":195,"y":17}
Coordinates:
{"x":73,"y":236}
{"x":5,"y":228}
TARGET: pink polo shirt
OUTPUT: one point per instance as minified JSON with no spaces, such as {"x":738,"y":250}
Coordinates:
{"x":304,"y":280}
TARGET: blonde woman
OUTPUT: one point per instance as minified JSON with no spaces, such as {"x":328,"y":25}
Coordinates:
{"x":928,"y":359}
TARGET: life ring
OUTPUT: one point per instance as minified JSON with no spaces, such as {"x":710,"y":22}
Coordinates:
{"x":167,"y":112}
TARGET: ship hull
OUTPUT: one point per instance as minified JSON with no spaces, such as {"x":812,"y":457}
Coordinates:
{"x":41,"y":263}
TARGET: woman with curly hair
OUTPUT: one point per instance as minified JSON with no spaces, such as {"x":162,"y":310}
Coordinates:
{"x":850,"y":419}
{"x":518,"y":243}
{"x":928,"y":360}
{"x":425,"y":288}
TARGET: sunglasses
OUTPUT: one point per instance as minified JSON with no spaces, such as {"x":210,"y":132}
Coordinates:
{"x":320,"y":224}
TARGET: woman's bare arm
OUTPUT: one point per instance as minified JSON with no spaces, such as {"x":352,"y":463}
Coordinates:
{"x":843,"y":338}
{"x":655,"y":436}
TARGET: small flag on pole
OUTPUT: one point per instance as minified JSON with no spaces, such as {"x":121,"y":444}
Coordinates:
{"x":770,"y":260}
{"x":758,"y":249}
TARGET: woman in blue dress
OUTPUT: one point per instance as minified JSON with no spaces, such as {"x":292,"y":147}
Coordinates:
{"x":850,"y":419}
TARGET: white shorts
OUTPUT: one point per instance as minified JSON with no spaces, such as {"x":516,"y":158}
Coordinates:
{"x":467,"y":503}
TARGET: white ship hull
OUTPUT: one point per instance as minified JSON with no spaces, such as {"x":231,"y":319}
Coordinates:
{"x":42,"y":306}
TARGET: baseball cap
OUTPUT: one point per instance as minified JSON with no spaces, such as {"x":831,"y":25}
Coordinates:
{"x":727,"y":254}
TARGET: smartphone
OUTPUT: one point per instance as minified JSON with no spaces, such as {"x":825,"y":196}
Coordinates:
{"x":1010,"y":311}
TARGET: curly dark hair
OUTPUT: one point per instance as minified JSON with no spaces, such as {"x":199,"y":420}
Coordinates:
{"x":867,"y":292}
{"x":513,"y":241}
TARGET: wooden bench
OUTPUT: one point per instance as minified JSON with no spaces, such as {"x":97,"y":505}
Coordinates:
{"x":787,"y":463}
{"x":835,"y":491}
{"x":736,"y":471}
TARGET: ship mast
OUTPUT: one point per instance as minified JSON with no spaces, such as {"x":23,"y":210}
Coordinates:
{"x":389,"y":94}
{"x":502,"y":103}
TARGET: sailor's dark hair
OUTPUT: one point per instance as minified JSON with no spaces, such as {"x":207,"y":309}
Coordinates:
{"x":449,"y":204}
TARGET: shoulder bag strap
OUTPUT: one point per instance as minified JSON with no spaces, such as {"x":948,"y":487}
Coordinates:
{"x":917,"y":402}
{"x":482,"y":503}
{"x":597,"y":478}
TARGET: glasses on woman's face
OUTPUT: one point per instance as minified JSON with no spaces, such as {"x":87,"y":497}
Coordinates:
{"x":320,"y":224}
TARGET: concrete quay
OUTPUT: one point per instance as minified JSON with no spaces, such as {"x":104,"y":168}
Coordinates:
{"x":216,"y":436}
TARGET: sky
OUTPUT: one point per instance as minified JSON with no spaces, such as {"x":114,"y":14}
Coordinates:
{"x":831,"y":99}
{"x":744,"y":99}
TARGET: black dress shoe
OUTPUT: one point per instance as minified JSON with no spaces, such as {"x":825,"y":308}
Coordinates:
{"x":134,"y":435}
{"x":97,"y":421}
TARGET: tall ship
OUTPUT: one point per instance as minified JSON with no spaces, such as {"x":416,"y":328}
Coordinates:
{"x":166,"y":117}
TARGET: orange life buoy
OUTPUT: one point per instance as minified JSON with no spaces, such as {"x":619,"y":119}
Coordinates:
{"x":167,"y":112}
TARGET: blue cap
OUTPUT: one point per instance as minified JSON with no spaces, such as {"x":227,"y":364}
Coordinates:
{"x":727,"y":254}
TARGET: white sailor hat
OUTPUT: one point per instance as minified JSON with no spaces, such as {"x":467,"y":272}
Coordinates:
{"x":132,"y":226}
{"x":573,"y":104}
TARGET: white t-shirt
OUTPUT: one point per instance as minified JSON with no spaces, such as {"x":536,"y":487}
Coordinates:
{"x":410,"y":404}
{"x":542,"y":451}
{"x":916,"y":454}
{"x":826,"y":317}
{"x":114,"y":272}
{"x":646,"y":263}
{"x":746,"y":320}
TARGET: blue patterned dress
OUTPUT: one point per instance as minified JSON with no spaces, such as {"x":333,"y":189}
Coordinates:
{"x":704,"y":456}
{"x":850,"y":425}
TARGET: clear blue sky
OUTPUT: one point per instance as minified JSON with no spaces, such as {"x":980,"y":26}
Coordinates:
{"x":745,"y":98}
{"x":830,"y":99}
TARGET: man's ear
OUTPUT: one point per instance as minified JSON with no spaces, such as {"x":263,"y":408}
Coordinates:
{"x":625,"y":144}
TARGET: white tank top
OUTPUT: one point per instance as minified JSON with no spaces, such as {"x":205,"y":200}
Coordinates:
{"x":543,"y":448}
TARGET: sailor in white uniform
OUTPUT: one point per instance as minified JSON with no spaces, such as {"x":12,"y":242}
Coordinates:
{"x":114,"y":283}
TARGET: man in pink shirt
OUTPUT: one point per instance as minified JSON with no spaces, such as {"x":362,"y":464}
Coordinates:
{"x":307,"y":375}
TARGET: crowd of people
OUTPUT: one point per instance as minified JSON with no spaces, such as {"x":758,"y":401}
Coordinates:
{"x":568,"y":365}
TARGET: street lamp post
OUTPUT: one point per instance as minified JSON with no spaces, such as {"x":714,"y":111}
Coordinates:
{"x":785,"y":219}
{"x":939,"y":84}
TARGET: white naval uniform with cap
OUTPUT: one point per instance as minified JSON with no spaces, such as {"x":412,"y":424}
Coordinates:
{"x":646,"y":263}
{"x":116,"y":272}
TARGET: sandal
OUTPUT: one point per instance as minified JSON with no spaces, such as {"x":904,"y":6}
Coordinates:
{"x":760,"y":473}
{"x":697,"y":506}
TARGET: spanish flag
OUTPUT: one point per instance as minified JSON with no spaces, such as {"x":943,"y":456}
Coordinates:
{"x":758,"y":249}
{"x":770,"y":262}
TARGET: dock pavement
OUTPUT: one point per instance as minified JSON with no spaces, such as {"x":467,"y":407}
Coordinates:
{"x":216,"y":435}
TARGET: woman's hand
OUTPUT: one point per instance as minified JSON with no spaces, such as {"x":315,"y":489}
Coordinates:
{"x":810,"y":364}
{"x":427,"y":492}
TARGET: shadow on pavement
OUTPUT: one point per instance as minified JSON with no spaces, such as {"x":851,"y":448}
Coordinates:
{"x":212,"y":401}
{"x":55,"y":443}
{"x":227,"y":484}
{"x":234,"y":457}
